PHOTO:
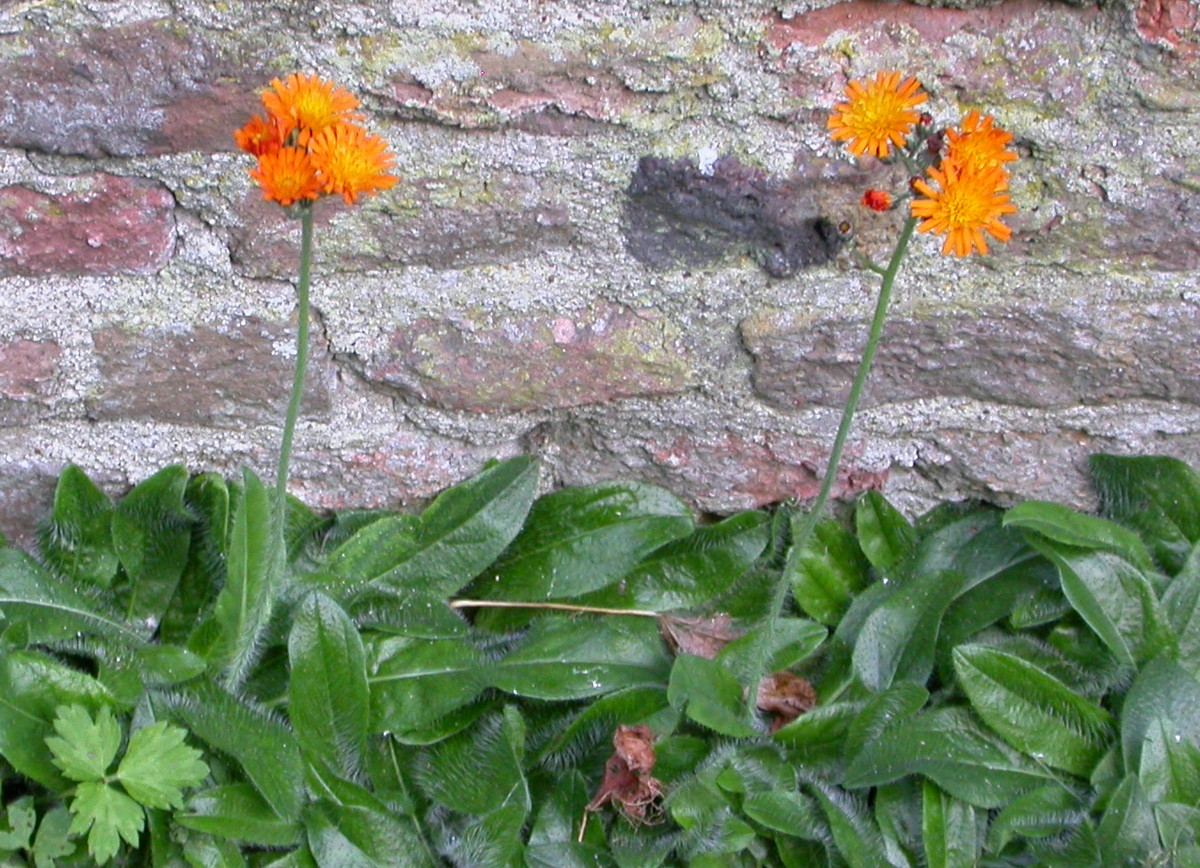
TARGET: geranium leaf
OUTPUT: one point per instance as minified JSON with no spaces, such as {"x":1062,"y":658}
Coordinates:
{"x":107,"y":816}
{"x":158,"y":766}
{"x":84,"y":748}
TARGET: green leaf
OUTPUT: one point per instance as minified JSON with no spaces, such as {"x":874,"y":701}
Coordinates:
{"x":826,"y":572}
{"x":84,"y":749}
{"x":565,"y":658}
{"x":412,"y":612}
{"x":151,"y":533}
{"x":450,"y":773}
{"x":1041,"y":813}
{"x":897,"y":640}
{"x":158,"y":766}
{"x":947,"y":746}
{"x":1127,"y":832}
{"x":21,"y":817}
{"x":353,"y":827}
{"x":206,"y":852}
{"x":1158,"y":497}
{"x":109,"y":815}
{"x":1163,"y":692}
{"x":1113,"y":597}
{"x":885,"y":535}
{"x":53,"y":840}
{"x":52,"y":610}
{"x":1070,"y":528}
{"x":817,"y":738}
{"x":238,"y":812}
{"x":77,"y":540}
{"x":32,"y":688}
{"x":1181,"y":605}
{"x":578,"y":540}
{"x":328,"y":698}
{"x":1032,"y":710}
{"x":414,"y":682}
{"x":253,"y":573}
{"x":882,"y":711}
{"x":207,"y":497}
{"x":855,"y":833}
{"x":950,"y":830}
{"x":260,"y":743}
{"x":787,"y":811}
{"x":709,"y":695}
{"x":691,"y":571}
{"x":463,"y":531}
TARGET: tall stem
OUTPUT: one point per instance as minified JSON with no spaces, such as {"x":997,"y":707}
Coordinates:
{"x":293,"y":410}
{"x":800,"y":538}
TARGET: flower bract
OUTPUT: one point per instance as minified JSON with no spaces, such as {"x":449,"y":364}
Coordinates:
{"x":965,"y":204}
{"x":879,"y":114}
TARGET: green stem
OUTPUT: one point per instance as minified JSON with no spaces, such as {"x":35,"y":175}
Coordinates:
{"x":800,"y":538}
{"x":293,"y":410}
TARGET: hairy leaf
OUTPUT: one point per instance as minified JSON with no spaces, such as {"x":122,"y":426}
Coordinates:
{"x":709,"y":695}
{"x":76,"y":542}
{"x":1158,"y":497}
{"x":885,"y":535}
{"x":328,"y":697}
{"x":578,"y":540}
{"x":1032,"y":710}
{"x":1163,"y":692}
{"x":856,"y":834}
{"x":414,"y":682}
{"x":1070,"y":528}
{"x":826,"y":572}
{"x":949,"y":829}
{"x":237,"y":811}
{"x":1128,"y":834}
{"x":450,"y":774}
{"x":1041,"y":813}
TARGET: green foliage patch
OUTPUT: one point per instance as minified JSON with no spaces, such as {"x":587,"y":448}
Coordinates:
{"x":572,"y":680}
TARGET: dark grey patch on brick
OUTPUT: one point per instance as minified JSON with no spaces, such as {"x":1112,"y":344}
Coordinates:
{"x":678,"y":216}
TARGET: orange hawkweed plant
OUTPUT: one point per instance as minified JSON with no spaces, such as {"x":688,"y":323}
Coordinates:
{"x":958,"y":190}
{"x":308,"y":144}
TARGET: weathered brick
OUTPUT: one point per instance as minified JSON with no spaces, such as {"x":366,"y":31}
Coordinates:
{"x":1031,"y":357}
{"x":27,"y":373}
{"x":1172,"y":24}
{"x":500,"y":364}
{"x":446,"y":223}
{"x":223,"y":376}
{"x":26,"y":496}
{"x":141,"y":88}
{"x":111,"y":226}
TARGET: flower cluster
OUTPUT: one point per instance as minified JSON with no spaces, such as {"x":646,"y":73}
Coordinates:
{"x":964,"y":191}
{"x":309,"y":144}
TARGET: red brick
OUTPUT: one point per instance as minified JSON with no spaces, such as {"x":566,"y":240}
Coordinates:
{"x":516,"y":363}
{"x":113,"y":226}
{"x":223,"y":376}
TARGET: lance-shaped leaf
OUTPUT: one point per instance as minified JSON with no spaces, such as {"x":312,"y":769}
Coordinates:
{"x":414,"y":682}
{"x":253,"y":574}
{"x":691,"y":571}
{"x":1159,"y":497}
{"x":826,"y":572}
{"x":350,"y":826}
{"x":581,"y":539}
{"x":53,"y":611}
{"x":885,"y":535}
{"x":1127,"y":832}
{"x":898,"y":639}
{"x":1032,"y":710}
{"x":1181,"y":604}
{"x":855,"y":832}
{"x":151,"y":531}
{"x":1162,"y":694}
{"x":328,"y":699}
{"x":209,"y":498}
{"x":455,"y":538}
{"x":450,"y":773}
{"x":237,"y":811}
{"x":947,"y":746}
{"x":707,"y":692}
{"x":563,"y":658}
{"x":259,"y":742}
{"x":77,"y":540}
{"x":1041,"y":813}
{"x":949,"y":829}
{"x":1070,"y":528}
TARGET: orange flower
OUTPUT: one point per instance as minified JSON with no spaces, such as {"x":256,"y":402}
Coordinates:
{"x":978,"y":145}
{"x":879,"y":114}
{"x":970,"y":202}
{"x":351,"y":161}
{"x":259,"y":136}
{"x":307,"y":104}
{"x":876,"y":200}
{"x":287,"y":176}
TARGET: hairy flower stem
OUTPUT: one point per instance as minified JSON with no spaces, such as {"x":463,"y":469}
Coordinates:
{"x":800,"y":537}
{"x":293,"y":410}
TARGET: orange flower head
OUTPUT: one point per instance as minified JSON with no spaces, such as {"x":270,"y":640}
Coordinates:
{"x":308,"y":104}
{"x":879,"y":115}
{"x":969,"y":203}
{"x":287,"y":176}
{"x":978,"y":144}
{"x":876,"y":200}
{"x":351,"y":161}
{"x":259,"y":136}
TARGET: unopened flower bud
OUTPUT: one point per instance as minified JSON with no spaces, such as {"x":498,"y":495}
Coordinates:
{"x":876,"y":200}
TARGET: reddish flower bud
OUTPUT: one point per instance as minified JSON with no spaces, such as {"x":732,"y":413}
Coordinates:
{"x":925,"y":119}
{"x":876,"y":200}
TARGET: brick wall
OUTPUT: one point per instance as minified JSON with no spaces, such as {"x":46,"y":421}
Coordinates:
{"x":609,"y":248}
